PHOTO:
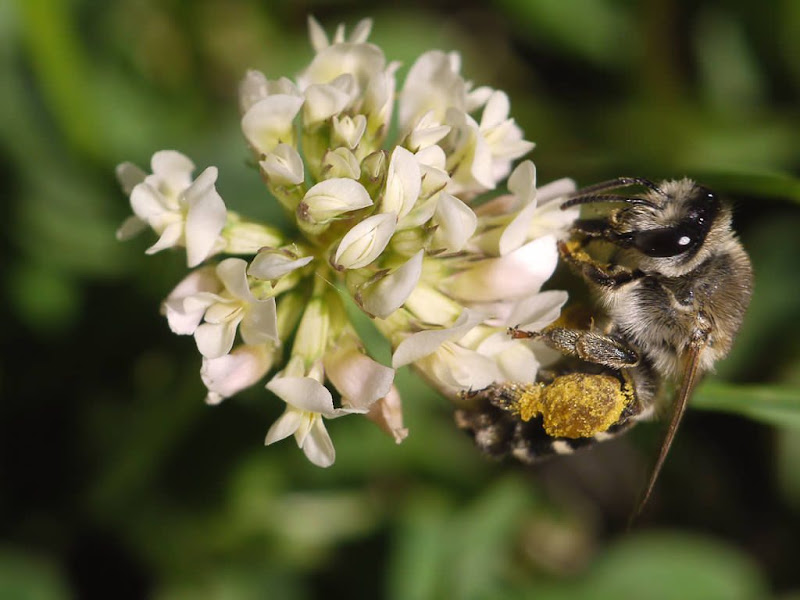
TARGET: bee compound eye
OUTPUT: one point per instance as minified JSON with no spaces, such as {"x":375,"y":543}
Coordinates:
{"x":662,"y":243}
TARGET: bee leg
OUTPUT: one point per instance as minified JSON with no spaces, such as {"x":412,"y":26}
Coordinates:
{"x":590,"y":346}
{"x":608,"y":276}
{"x":532,"y":421}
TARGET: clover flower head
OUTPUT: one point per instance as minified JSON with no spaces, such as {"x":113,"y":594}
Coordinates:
{"x":390,"y":224}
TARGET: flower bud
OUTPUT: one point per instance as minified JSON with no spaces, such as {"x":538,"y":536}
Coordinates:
{"x":347,"y":131}
{"x":283,"y":166}
{"x":332,"y":198}
{"x":403,"y":183}
{"x":365,"y":241}
{"x":340,"y":163}
{"x":271,"y":264}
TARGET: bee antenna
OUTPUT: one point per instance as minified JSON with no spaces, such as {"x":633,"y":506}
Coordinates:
{"x":591,"y":198}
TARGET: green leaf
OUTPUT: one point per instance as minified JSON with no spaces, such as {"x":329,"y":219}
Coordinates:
{"x":667,"y":566}
{"x":773,"y":405}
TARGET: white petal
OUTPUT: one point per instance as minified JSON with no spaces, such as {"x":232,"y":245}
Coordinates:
{"x":170,"y":237}
{"x":551,"y":220}
{"x":199,"y":280}
{"x":252,"y":88}
{"x":434,"y":157}
{"x":359,"y":379}
{"x":283,"y":166}
{"x":228,"y":375}
{"x":516,"y":275}
{"x":470,"y":162}
{"x":318,"y":446}
{"x":496,"y":110}
{"x":387,"y":413}
{"x":232,"y":272}
{"x":555,"y":189}
{"x":432,"y":84}
{"x":341,"y":163}
{"x":260,"y":323}
{"x":365,"y":241}
{"x":403,"y":183}
{"x":205,"y":218}
{"x":146,"y":202}
{"x":427,"y":132}
{"x":129,"y":176}
{"x":522,"y":184}
{"x":537,"y":311}
{"x":269,"y":121}
{"x":303,"y":393}
{"x":518,"y":363}
{"x":322,"y":102}
{"x":333,"y":197}
{"x":425,"y":342}
{"x":319,"y":40}
{"x":464,"y":369}
{"x":349,"y":130}
{"x":174,"y":168}
{"x":221,"y":310}
{"x":185,"y":312}
{"x":360,"y":32}
{"x":215,"y":339}
{"x":272,"y":264}
{"x":359,"y":61}
{"x":289,"y":422}
{"x":478,"y":97}
{"x":130,"y":227}
{"x":389,"y":293}
{"x":182,"y":322}
{"x":456,"y":223}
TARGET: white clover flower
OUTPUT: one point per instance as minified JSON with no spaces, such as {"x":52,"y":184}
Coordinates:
{"x":224,"y":301}
{"x":390,"y":223}
{"x":181,"y":211}
{"x":307,"y":402}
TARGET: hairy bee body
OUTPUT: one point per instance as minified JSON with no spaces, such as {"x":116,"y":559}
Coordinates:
{"x":673,"y":292}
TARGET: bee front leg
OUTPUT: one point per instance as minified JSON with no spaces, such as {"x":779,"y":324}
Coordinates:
{"x":603,"y":275}
{"x":590,"y":346}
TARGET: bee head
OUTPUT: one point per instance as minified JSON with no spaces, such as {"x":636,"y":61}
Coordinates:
{"x":668,"y":225}
{"x":676,"y":224}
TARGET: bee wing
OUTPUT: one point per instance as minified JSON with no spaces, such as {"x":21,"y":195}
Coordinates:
{"x":691,"y":376}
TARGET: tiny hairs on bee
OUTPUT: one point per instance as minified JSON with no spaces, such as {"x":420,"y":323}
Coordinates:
{"x":672,"y":282}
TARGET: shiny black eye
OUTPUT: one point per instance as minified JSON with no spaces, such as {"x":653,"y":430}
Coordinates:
{"x":685,"y":236}
{"x":660,"y":243}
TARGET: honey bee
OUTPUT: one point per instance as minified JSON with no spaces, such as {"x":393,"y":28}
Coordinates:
{"x":674,"y":286}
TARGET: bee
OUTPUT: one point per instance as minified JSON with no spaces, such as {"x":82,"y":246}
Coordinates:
{"x":674,"y":283}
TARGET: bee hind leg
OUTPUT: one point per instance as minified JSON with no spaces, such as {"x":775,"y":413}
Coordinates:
{"x":593,"y":347}
{"x":531,"y":421}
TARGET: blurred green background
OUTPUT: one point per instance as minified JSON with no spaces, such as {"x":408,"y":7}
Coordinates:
{"x":118,"y":482}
